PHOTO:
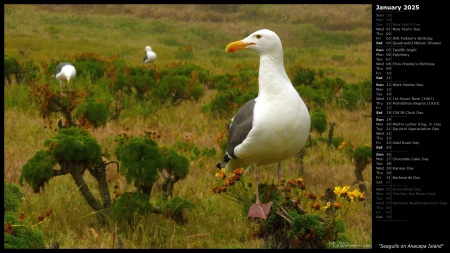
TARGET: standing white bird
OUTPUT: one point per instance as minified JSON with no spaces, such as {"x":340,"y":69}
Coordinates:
{"x":150,"y":56}
{"x":272,"y":127}
{"x":65,"y":71}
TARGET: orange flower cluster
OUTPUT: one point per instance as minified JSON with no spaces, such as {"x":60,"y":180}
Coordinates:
{"x":328,"y":206}
{"x":122,"y":138}
{"x":294,"y":183}
{"x":228,"y":181}
{"x":336,"y":205}
{"x":152,"y":134}
{"x":315,"y":206}
{"x":9,"y":228}
{"x":310,"y":195}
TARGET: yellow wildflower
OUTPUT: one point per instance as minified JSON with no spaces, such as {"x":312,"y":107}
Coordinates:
{"x":351,"y":197}
{"x":221,"y":174}
{"x":326,"y":206}
{"x":354,"y":194}
{"x":362,"y":197}
{"x":341,"y":145}
{"x":341,"y":191}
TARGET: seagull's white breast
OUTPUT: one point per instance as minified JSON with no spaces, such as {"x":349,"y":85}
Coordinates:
{"x":281,"y":126}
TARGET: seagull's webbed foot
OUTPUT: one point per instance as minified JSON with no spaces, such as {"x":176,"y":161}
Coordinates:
{"x":260,"y":210}
{"x":63,"y":95}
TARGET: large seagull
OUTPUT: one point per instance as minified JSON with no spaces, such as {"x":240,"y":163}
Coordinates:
{"x":272,"y":127}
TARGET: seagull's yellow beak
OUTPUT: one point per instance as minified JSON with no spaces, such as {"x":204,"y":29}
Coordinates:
{"x":237,"y":45}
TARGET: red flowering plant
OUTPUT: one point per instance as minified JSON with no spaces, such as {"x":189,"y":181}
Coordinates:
{"x":298,"y":218}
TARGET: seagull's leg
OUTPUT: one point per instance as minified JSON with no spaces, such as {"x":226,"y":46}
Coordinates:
{"x":60,"y":86}
{"x":256,"y":185}
{"x":279,"y":172}
{"x":70,"y":85}
{"x":259,"y":210}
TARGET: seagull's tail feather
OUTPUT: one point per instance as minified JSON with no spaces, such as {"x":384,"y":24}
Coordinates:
{"x":224,"y":162}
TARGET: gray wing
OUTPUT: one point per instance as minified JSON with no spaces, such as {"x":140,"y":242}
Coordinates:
{"x":240,"y":127}
{"x":60,"y":66}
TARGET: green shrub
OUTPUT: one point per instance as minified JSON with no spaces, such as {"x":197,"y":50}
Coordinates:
{"x":174,"y":88}
{"x":366,"y":91}
{"x":336,"y":141}
{"x":176,"y":164}
{"x":178,"y":87}
{"x":12,"y":197}
{"x":188,"y":69}
{"x":74,"y":146}
{"x":312,"y":97}
{"x":38,"y":170}
{"x":143,"y":80}
{"x":10,"y":65}
{"x":32,"y":71}
{"x":96,"y":113}
{"x":362,"y":156}
{"x":197,"y":92}
{"x":177,"y":204}
{"x":319,"y":121}
{"x":174,"y":207}
{"x":222,"y":102}
{"x":18,"y":234}
{"x":303,"y":76}
{"x":222,"y":83}
{"x":350,"y":97}
{"x":120,"y":83}
{"x":91,"y":68}
{"x":141,"y":159}
{"x":129,"y":206}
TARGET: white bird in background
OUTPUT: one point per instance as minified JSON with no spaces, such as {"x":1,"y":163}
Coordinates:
{"x":272,"y":127}
{"x":65,"y":71}
{"x":150,"y":56}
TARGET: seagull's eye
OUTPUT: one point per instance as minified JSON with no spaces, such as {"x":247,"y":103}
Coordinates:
{"x":258,"y":36}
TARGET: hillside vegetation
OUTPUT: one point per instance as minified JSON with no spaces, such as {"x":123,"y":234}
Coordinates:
{"x":327,"y":54}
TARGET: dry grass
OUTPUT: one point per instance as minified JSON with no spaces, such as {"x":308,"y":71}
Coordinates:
{"x":105,"y":29}
{"x":74,"y":226}
{"x":60,"y":31}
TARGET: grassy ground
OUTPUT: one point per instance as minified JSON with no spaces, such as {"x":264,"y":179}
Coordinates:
{"x":313,"y":36}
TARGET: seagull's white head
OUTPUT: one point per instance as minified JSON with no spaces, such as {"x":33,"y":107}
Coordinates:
{"x":263,"y":41}
{"x":148,"y":48}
